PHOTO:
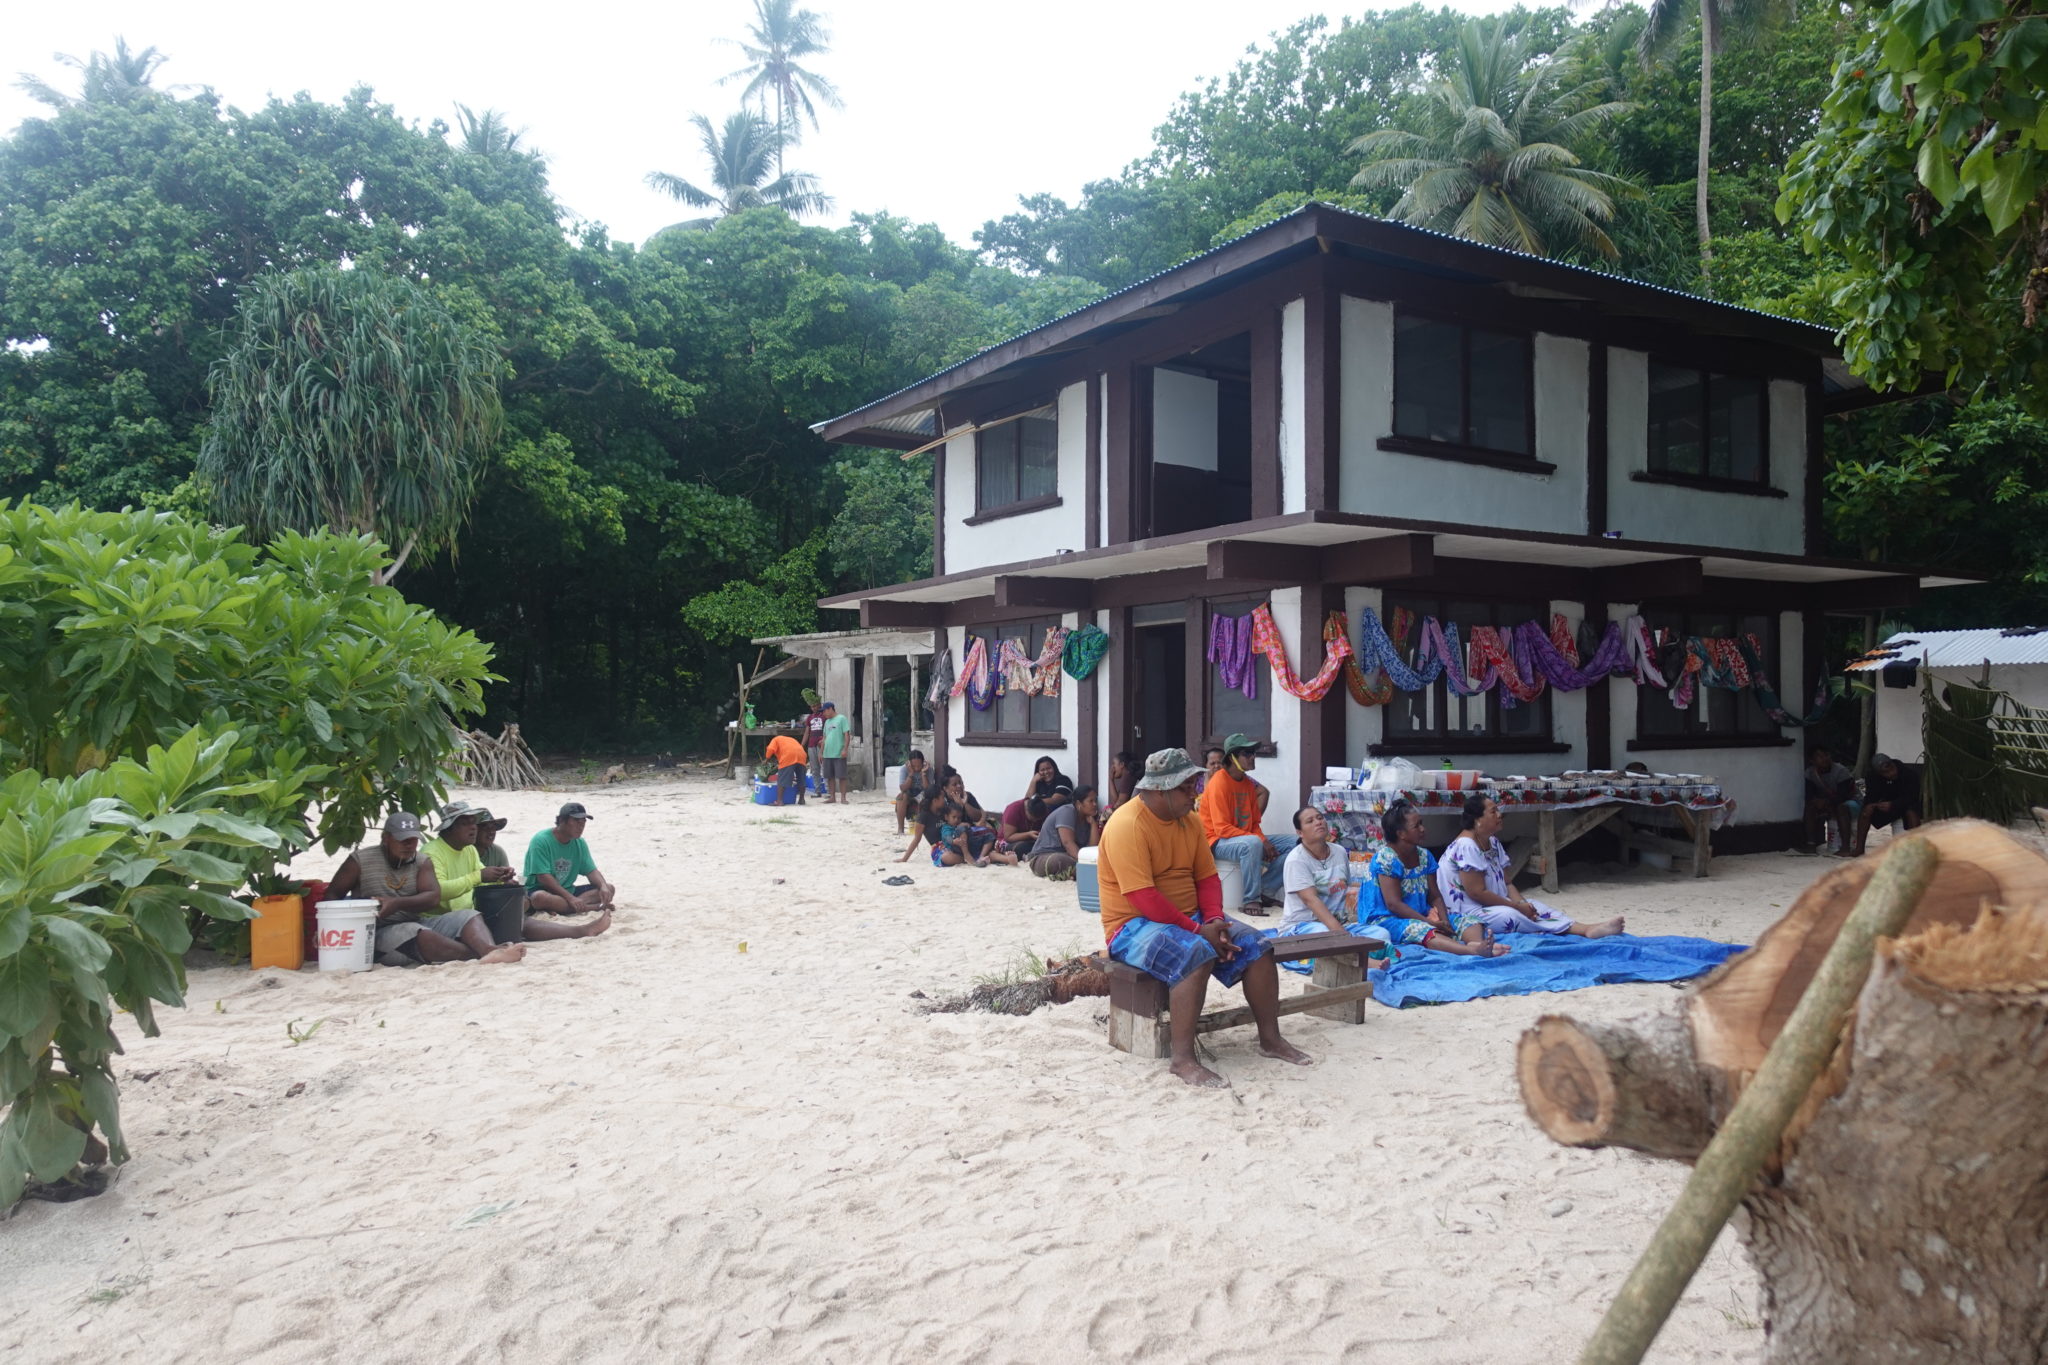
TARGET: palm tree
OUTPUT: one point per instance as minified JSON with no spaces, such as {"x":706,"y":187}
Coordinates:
{"x":740,"y":160}
{"x":486,"y":134}
{"x":352,"y":400}
{"x":1666,"y":21}
{"x":1494,"y":159}
{"x":106,"y":79}
{"x":778,"y":40}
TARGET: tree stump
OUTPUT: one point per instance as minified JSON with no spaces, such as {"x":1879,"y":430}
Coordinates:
{"x":1905,"y":1216}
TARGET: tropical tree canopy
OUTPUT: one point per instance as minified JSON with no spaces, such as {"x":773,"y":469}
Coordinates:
{"x":115,"y":76}
{"x":350,"y":400}
{"x":745,"y":162}
{"x":778,"y":41}
{"x":1493,"y":159}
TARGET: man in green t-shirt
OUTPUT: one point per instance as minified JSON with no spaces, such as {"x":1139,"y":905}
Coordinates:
{"x":556,"y":858}
{"x":459,"y":869}
{"x":833,"y":754}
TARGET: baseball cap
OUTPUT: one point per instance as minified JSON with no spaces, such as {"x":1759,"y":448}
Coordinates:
{"x":1168,"y":769}
{"x":1238,"y":744}
{"x":402,"y":825}
{"x":828,"y":706}
{"x":574,"y":810}
{"x":1881,"y":760}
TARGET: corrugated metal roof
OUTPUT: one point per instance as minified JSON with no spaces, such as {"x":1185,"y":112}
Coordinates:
{"x":1960,"y":648}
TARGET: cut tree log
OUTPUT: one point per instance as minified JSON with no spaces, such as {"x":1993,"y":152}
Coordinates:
{"x":1904,"y":1215}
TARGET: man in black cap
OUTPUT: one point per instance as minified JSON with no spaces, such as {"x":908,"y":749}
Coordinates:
{"x":408,"y":895}
{"x":1891,"y":792}
{"x":555,"y":859}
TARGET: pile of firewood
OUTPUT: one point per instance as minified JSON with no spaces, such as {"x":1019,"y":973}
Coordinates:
{"x":503,"y":763}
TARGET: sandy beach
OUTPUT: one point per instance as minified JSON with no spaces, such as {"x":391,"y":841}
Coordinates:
{"x":723,"y":1132}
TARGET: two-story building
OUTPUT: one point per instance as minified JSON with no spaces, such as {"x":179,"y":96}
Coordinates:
{"x":1336,"y":412}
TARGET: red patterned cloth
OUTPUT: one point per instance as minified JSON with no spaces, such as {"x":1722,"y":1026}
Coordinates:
{"x":1266,"y":640}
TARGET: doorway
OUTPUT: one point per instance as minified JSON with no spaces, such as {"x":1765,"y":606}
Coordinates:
{"x":1158,"y":702}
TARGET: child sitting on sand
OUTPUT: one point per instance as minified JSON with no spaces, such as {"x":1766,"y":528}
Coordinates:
{"x":1400,"y":896}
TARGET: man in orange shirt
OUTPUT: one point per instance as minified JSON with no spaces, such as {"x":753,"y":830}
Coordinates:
{"x":1162,"y":912}
{"x":1231,"y":817}
{"x":788,"y":757}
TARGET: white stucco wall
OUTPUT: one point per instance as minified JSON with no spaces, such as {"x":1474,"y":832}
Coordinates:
{"x":997,"y":774}
{"x":1106,"y":679}
{"x":1390,"y":483}
{"x":1282,"y":772}
{"x":1293,"y":406}
{"x":1694,"y":516}
{"x":1898,"y":708}
{"x":1183,"y":419}
{"x":1034,"y":534}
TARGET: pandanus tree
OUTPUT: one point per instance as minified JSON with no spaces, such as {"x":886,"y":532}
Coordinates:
{"x":745,"y":174}
{"x":350,"y":400}
{"x":777,"y":42}
{"x":1495,"y":157}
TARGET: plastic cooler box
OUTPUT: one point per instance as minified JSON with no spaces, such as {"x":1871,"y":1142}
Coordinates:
{"x":1086,"y":882}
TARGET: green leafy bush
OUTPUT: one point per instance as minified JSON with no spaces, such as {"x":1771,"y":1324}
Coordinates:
{"x":98,"y":876}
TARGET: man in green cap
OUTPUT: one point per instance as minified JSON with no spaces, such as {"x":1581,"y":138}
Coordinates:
{"x":1231,"y":817}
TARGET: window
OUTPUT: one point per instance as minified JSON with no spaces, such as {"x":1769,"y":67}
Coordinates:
{"x":1707,"y":426}
{"x":1229,"y":711}
{"x":1463,"y":386}
{"x":1716,"y":712}
{"x":1015,"y":713}
{"x":1017,"y":460}
{"x":1438,"y":714}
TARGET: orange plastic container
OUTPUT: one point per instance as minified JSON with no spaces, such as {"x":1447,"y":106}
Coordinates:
{"x":277,"y":935}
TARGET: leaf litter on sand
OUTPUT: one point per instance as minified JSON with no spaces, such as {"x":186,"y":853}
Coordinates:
{"x":1027,"y":984}
{"x":483,"y":1213}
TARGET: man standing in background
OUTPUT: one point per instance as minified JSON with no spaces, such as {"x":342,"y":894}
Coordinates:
{"x":837,"y":728}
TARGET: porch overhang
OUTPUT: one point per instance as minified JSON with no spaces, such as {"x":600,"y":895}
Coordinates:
{"x":1338,"y":547}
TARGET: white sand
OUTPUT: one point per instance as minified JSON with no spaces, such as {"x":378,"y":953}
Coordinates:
{"x":722,"y":1133}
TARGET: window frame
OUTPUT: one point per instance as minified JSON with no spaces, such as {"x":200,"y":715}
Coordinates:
{"x":1467,"y":448}
{"x":1503,"y":611}
{"x":1032,"y":630}
{"x":1013,"y":502}
{"x":1656,"y":462}
{"x":1212,"y":683}
{"x":1753,"y":729}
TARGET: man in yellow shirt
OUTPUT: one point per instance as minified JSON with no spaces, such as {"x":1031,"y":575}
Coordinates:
{"x":1162,"y":912}
{"x":1231,"y":816}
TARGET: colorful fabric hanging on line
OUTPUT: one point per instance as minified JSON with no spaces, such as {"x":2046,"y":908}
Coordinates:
{"x":1230,"y":649}
{"x":1085,"y":648}
{"x":1560,"y":667}
{"x":974,"y":677}
{"x":941,"y":689}
{"x":1642,"y":653}
{"x":1266,"y":640}
{"x":1379,"y":691}
{"x":1013,"y":668}
{"x":1045,"y":670}
{"x":1824,"y":692}
{"x":1017,"y":671}
{"x":1492,"y":652}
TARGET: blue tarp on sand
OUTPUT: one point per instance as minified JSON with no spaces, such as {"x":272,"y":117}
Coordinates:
{"x":1545,"y":962}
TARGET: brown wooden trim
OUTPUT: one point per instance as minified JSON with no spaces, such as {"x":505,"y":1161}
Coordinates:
{"x":1087,"y":698}
{"x":1118,"y":457}
{"x":1864,"y":594}
{"x":983,"y":611}
{"x":1118,"y":661}
{"x":1599,"y":704}
{"x":1091,"y":466}
{"x":1258,"y":560}
{"x":938,"y":509}
{"x":942,"y":714}
{"x":1171,"y":585}
{"x":1393,"y":748}
{"x":1322,"y":397}
{"x":1662,"y":744}
{"x":1015,"y":509}
{"x":1709,"y":483}
{"x":1648,"y":582}
{"x":1816,"y":465}
{"x":1056,"y":594}
{"x":988,"y":739}
{"x":881,"y":612}
{"x":1487,"y":579}
{"x":1323,"y":737}
{"x":1266,"y":411}
{"x":1142,"y":435}
{"x":1388,"y":559}
{"x":1812,"y":657}
{"x":1447,"y":450}
{"x":1195,"y":717}
{"x":1596,"y":439}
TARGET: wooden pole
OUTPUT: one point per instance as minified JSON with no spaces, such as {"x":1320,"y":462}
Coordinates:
{"x":1731,"y":1162}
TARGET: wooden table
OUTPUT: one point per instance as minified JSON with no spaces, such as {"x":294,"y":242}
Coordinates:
{"x":1553,"y":837}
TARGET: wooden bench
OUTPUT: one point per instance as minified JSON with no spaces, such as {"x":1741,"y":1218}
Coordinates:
{"x":1337,"y":990}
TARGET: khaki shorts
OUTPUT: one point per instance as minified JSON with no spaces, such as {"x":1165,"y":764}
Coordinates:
{"x":395,"y":945}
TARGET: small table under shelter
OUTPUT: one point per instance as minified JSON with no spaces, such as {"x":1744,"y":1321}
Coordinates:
{"x":1686,"y":803}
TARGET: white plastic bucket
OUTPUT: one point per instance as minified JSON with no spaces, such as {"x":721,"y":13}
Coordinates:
{"x":1232,"y":878}
{"x":348,"y":935}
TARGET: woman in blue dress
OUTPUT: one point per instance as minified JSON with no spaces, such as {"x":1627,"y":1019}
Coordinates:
{"x":1401,"y":898}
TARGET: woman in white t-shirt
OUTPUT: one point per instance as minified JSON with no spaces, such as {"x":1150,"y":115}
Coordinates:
{"x":1317,"y":880}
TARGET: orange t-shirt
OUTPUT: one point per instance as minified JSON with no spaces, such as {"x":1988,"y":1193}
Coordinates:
{"x":785,"y":751}
{"x":1229,"y":806}
{"x":1138,"y":850}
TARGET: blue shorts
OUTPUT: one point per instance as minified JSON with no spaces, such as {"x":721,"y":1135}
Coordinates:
{"x":1173,"y":954}
{"x":1415,"y":930}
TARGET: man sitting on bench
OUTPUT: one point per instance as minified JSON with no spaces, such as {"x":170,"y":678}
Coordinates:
{"x":1162,"y":913}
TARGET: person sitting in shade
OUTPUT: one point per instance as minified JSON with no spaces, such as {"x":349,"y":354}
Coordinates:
{"x":555,"y":858}
{"x":459,"y":869}
{"x":917,"y":779}
{"x":488,"y":850}
{"x":1830,"y":796}
{"x":1892,"y":793}
{"x":1401,"y":896}
{"x":788,"y":758}
{"x":1069,"y":829}
{"x":1124,"y":770}
{"x":411,"y":927}
{"x":1162,"y":912}
{"x":1050,"y":787}
{"x":1472,"y":879}
{"x":1231,"y":812}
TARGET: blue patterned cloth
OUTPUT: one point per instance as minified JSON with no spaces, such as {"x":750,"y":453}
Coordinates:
{"x":1402,"y":930}
{"x":1172,"y":953}
{"x":1545,"y":962}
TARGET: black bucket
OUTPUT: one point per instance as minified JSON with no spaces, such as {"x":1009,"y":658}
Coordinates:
{"x":504,"y":911}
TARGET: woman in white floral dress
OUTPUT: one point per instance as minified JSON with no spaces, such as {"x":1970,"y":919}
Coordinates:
{"x":1473,"y":880}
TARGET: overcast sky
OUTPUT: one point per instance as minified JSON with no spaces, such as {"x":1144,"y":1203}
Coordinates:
{"x":952,"y":110}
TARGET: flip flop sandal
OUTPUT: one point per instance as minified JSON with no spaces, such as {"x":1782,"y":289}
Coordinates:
{"x":898,"y":880}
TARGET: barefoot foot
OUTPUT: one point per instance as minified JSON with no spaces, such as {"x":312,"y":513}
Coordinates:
{"x":596,"y":926}
{"x":1493,"y":950}
{"x":1283,"y":1051}
{"x":1194,"y":1073}
{"x":504,"y":952}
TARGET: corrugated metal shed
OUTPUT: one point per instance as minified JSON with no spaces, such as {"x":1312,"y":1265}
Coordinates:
{"x":1960,"y":648}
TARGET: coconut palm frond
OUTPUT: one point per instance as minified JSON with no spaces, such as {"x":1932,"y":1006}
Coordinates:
{"x":675,"y":187}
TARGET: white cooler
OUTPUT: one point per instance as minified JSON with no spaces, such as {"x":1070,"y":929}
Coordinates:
{"x":1086,"y":883}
